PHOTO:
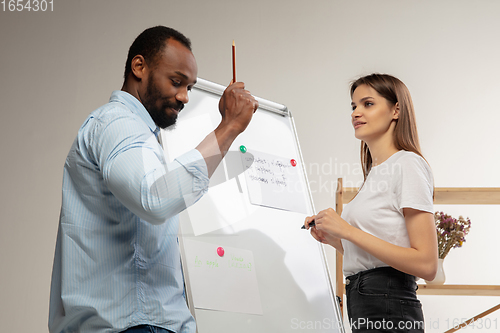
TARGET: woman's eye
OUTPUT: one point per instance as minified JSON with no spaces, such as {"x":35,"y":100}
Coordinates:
{"x":368,"y":104}
{"x":353,"y":108}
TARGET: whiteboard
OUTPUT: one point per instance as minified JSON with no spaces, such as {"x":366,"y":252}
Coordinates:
{"x":292,"y":285}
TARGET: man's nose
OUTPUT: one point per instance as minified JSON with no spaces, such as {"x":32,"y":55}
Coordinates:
{"x":183,"y":96}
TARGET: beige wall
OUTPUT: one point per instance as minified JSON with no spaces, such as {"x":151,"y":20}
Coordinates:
{"x":58,"y":66}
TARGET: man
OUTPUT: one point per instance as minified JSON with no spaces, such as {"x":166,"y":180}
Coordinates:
{"x":117,"y":263}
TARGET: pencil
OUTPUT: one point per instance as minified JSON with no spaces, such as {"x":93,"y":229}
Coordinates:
{"x":234,"y":63}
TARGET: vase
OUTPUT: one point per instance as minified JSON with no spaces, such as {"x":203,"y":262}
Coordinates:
{"x":440,"y":277}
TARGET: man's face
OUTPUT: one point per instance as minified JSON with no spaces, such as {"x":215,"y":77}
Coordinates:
{"x":169,"y":80}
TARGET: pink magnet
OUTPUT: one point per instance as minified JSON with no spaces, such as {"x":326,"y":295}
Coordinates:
{"x":293,"y":162}
{"x":220,"y":251}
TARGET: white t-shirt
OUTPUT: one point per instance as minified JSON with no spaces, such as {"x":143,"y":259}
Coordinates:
{"x":404,"y":180}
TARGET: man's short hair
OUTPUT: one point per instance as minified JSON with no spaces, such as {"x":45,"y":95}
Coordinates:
{"x":151,"y":42}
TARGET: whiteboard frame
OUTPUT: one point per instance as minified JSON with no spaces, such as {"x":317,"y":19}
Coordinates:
{"x":282,"y":110}
{"x":264,"y":104}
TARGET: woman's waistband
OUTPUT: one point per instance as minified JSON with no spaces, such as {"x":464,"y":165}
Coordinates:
{"x":385,"y":271}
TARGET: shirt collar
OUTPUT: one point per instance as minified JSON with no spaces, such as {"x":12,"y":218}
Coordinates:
{"x":135,"y":106}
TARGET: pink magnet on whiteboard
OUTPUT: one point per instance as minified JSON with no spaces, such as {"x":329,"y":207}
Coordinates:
{"x":220,"y":251}
{"x":293,"y":162}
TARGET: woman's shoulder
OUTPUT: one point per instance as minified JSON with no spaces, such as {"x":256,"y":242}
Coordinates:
{"x":412,"y":163}
{"x":409,"y":157}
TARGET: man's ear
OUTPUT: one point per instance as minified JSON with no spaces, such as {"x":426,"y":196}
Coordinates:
{"x":138,"y":65}
{"x":396,"y":111}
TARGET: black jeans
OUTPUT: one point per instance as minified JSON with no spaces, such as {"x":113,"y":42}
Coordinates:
{"x":383,"y":300}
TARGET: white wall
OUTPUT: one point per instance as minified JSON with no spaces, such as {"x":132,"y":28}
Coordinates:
{"x":58,"y":66}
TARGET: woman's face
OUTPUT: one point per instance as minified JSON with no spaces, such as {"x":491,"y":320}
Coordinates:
{"x":372,"y":115}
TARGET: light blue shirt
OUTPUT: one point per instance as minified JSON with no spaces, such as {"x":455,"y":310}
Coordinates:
{"x":117,"y":262}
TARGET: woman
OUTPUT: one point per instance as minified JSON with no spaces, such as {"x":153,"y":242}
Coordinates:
{"x":386,"y":233}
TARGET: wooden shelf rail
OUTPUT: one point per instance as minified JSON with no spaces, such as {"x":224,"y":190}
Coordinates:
{"x":450,"y":195}
{"x":459,"y":290}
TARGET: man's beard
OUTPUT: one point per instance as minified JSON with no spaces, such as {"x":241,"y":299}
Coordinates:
{"x":159,"y":114}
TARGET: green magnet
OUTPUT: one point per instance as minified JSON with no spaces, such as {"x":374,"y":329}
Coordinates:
{"x":243,"y":149}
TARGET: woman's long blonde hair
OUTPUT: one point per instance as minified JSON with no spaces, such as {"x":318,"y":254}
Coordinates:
{"x":405,"y":131}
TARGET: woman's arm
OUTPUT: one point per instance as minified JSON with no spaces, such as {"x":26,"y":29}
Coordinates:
{"x":420,"y":259}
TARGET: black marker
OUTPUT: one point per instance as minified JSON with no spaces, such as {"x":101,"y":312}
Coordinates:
{"x":311,"y":224}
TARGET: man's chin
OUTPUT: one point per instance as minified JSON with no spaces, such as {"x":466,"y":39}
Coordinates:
{"x":170,"y":127}
{"x":166,"y":123}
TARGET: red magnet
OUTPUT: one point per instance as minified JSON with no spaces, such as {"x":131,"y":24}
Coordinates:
{"x":293,"y":162}
{"x":220,"y":251}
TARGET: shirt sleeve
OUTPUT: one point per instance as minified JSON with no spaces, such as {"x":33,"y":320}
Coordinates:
{"x":134,"y":169}
{"x":413,"y":185}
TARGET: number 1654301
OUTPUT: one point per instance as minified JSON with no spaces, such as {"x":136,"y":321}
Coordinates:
{"x":27,"y":5}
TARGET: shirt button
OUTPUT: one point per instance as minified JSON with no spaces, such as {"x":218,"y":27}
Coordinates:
{"x":347,"y":281}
